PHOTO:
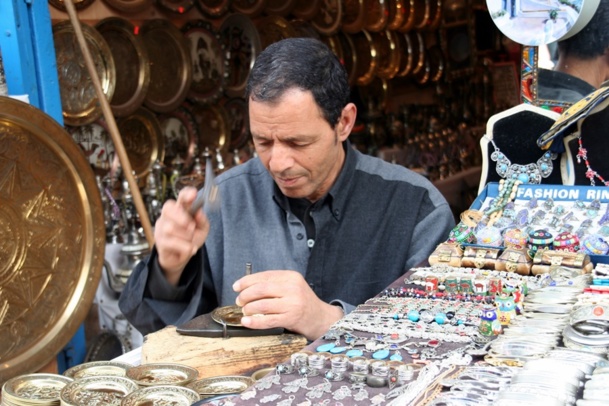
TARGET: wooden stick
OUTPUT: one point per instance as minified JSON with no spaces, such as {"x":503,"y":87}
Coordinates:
{"x":112,"y":127}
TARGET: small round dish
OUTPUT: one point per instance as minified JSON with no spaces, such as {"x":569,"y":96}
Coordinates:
{"x":221,"y":385}
{"x":34,"y":389}
{"x":157,"y":374}
{"x":261,"y":373}
{"x":229,"y":315}
{"x":97,"y":368}
{"x":97,"y":390}
{"x":162,"y":395}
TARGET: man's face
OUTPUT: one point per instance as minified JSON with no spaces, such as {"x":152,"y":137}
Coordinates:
{"x":301,"y":151}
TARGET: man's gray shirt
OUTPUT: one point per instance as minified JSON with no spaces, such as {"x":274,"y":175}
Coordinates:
{"x":377,"y":221}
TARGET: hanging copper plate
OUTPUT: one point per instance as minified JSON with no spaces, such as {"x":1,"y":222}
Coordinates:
{"x":418,"y":49}
{"x":51,"y":255}
{"x":436,"y":62}
{"x":96,"y":143}
{"x":329,"y":18}
{"x":131,"y":63}
{"x":213,"y":126}
{"x":423,"y":76}
{"x":377,"y":15}
{"x":180,"y":136}
{"x":388,"y":48}
{"x":367,"y":57}
{"x":354,"y":16}
{"x":236,"y":111}
{"x":273,"y":29}
{"x":242,"y":44}
{"x":143,"y":140}
{"x":409,"y":15}
{"x":421,"y":18}
{"x":170,"y":65}
{"x":406,"y":55}
{"x":251,"y":8}
{"x":209,"y":64}
{"x":129,"y":6}
{"x":78,"y":4}
{"x":213,"y":8}
{"x":306,"y":9}
{"x":176,"y":6}
{"x":78,"y":97}
{"x":349,"y":56}
{"x":435,"y":14}
{"x":279,"y":7}
{"x":304,"y":29}
{"x":397,"y":14}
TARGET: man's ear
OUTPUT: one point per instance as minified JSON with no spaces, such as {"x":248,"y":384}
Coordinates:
{"x":346,"y":121}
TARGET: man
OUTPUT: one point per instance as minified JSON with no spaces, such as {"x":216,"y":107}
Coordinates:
{"x":324,"y":226}
{"x":583,"y":62}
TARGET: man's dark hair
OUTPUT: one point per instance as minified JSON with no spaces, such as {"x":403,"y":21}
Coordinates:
{"x":593,"y":39}
{"x":303,"y":63}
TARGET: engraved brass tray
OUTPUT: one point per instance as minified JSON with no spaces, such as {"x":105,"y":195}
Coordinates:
{"x":212,"y":122}
{"x":97,"y":390}
{"x":34,"y":389}
{"x":209,"y":63}
{"x":377,"y":15}
{"x":180,"y":136}
{"x":78,"y":96}
{"x":170,"y":65}
{"x":273,"y":29}
{"x":329,"y":18}
{"x":97,"y":368}
{"x":367,"y":57}
{"x":229,"y":315}
{"x":221,"y":385}
{"x":354,"y":16}
{"x":50,"y":266}
{"x":131,"y":63}
{"x":162,"y":374}
{"x":78,"y":4}
{"x":236,"y":110}
{"x":130,"y":6}
{"x":97,"y":145}
{"x":242,"y":43}
{"x":388,"y":48}
{"x":143,"y":140}
{"x":161,"y":395}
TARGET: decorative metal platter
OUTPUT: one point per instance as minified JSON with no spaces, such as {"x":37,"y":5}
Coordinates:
{"x":406,"y":55}
{"x":162,"y":374}
{"x":273,"y":29}
{"x":129,"y":6}
{"x":170,"y":65}
{"x":236,"y":111}
{"x":180,"y":136}
{"x":97,"y":368}
{"x":162,"y":396}
{"x":397,"y":14}
{"x":229,"y":315}
{"x":306,"y":10}
{"x":377,"y":15}
{"x":131,"y":64}
{"x":409,"y":15}
{"x":329,"y":18}
{"x":367,"y":57}
{"x":78,"y":4}
{"x":354,"y":16}
{"x":387,"y":46}
{"x":97,"y":390}
{"x":50,"y":267}
{"x":279,"y":7}
{"x":221,"y":385}
{"x":242,"y":43}
{"x":209,"y":64}
{"x":304,"y":29}
{"x":251,"y":8}
{"x":78,"y":97}
{"x":176,"y":6}
{"x":143,"y":140}
{"x":212,"y":123}
{"x":97,"y":145}
{"x":213,"y":8}
{"x":34,"y":389}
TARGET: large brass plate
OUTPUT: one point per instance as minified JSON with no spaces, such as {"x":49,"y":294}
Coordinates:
{"x":367,"y":57}
{"x":161,"y":395}
{"x":131,"y":63}
{"x":162,"y":374}
{"x":34,"y":389}
{"x":78,"y":97}
{"x":170,"y":65}
{"x":180,"y":136}
{"x":52,"y":249}
{"x":212,"y":122}
{"x":242,"y":43}
{"x":97,"y":390}
{"x":329,"y":19}
{"x":98,"y":368}
{"x":97,"y":145}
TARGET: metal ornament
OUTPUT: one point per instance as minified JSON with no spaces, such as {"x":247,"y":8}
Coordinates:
{"x":329,"y":18}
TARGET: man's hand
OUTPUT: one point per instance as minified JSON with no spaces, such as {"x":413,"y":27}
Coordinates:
{"x":284,"y":299}
{"x":179,"y":235}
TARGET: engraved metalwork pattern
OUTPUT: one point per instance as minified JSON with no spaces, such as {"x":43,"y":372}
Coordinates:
{"x":209,"y":64}
{"x":180,"y":136}
{"x":131,"y":64}
{"x":221,"y":385}
{"x":97,"y":145}
{"x":162,"y":396}
{"x":35,"y":388}
{"x":377,"y":15}
{"x":329,"y":18}
{"x":78,"y":96}
{"x":143,"y":140}
{"x":97,"y":391}
{"x":97,"y":368}
{"x":367,"y":57}
{"x":242,"y":44}
{"x":51,"y":208}
{"x":170,"y":65}
{"x":229,"y":315}
{"x":213,"y":126}
{"x":162,"y":374}
{"x":387,"y":45}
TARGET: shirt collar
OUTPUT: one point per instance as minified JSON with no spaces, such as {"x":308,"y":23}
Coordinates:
{"x":337,"y":195}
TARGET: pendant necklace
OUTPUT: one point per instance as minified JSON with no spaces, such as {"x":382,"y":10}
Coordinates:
{"x":582,"y":154}
{"x":530,"y":173}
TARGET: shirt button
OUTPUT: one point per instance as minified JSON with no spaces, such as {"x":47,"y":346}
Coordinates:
{"x":310,"y":243}
{"x":312,"y":285}
{"x":299,"y":236}
{"x":336,"y":212}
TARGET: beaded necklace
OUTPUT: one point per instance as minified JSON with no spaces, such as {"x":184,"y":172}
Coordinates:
{"x":582,"y":154}
{"x":507,"y":193}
